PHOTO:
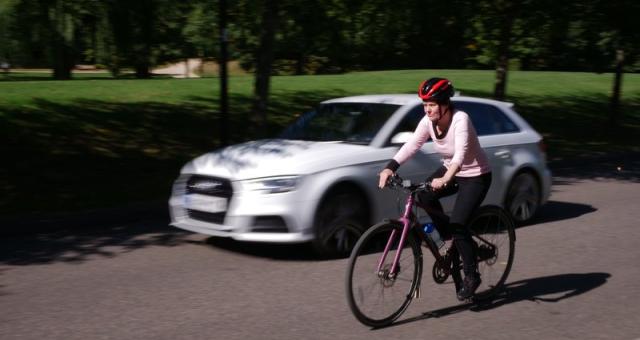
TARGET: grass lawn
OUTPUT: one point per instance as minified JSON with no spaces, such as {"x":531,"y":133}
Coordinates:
{"x":97,"y":142}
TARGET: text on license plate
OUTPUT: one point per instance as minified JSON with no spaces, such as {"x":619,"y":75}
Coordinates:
{"x":205,"y":203}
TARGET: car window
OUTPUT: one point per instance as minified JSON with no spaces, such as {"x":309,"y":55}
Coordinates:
{"x":348,"y":122}
{"x":410,"y":120}
{"x":487,"y":119}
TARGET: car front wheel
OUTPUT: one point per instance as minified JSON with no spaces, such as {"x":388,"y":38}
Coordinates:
{"x":339,"y":224}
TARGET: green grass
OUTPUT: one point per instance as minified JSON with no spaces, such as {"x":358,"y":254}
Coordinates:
{"x":96,"y":141}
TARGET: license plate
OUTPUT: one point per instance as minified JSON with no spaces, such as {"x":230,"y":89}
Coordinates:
{"x":205,"y":203}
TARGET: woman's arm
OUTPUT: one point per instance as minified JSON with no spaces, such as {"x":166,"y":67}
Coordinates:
{"x":420,"y":136}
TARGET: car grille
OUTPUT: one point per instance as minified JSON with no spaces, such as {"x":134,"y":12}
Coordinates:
{"x":210,"y":186}
{"x":269,"y":224}
{"x":217,"y":218}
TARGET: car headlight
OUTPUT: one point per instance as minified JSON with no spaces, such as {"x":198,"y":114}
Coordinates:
{"x":271,"y":185}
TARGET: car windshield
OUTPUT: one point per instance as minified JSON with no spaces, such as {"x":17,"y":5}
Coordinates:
{"x":347,"y":122}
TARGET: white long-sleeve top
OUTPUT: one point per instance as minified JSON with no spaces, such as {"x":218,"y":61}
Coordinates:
{"x":459,"y":146}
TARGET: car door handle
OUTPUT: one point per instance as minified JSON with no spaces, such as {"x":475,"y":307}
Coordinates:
{"x":504,"y":154}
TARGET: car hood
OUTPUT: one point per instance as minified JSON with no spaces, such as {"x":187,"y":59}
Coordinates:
{"x":275,"y":157}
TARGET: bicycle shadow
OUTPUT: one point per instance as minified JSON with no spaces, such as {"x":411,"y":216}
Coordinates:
{"x":548,"y":289}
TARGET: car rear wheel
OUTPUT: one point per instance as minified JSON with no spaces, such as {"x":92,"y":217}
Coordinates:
{"x":523,"y":197}
{"x":339,"y":224}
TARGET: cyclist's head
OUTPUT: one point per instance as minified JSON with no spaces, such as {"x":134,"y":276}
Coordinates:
{"x":438,"y":90}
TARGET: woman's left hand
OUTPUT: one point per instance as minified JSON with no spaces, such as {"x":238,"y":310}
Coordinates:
{"x":438,"y":183}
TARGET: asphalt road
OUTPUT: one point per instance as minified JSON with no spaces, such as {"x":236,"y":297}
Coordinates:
{"x":575,"y":276}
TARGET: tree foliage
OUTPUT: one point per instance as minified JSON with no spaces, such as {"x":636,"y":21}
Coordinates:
{"x":324,"y":36}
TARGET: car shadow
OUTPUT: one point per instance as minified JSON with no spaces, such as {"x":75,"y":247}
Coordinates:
{"x":558,"y":211}
{"x":548,"y":289}
{"x":285,"y":252}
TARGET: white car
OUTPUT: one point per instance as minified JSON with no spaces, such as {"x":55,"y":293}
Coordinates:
{"x":318,"y":182}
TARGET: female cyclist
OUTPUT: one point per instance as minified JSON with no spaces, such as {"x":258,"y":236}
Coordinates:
{"x":465,"y":170}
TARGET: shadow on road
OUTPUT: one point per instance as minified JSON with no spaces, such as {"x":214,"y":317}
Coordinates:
{"x":548,"y":289}
{"x":550,"y":212}
{"x":597,"y":166}
{"x":286,"y":252}
{"x":557,"y":211}
{"x":77,"y":245}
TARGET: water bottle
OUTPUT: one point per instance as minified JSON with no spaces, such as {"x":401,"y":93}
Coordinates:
{"x":431,"y":232}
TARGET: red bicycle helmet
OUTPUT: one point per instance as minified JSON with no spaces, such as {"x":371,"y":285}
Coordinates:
{"x":437,"y":89}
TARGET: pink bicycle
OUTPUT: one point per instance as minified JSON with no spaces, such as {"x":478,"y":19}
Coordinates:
{"x":385,"y":267}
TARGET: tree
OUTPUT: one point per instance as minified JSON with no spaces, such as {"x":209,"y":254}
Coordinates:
{"x":8,"y":45}
{"x":264,"y":58}
{"x":492,"y":34}
{"x":619,"y":21}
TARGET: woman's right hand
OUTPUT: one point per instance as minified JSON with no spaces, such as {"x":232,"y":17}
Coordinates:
{"x":384,"y":176}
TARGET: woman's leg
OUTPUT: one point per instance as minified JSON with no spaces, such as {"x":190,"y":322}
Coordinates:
{"x":471,"y":193}
{"x":431,"y":200}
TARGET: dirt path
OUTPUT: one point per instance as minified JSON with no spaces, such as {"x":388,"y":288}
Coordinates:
{"x":182,"y":69}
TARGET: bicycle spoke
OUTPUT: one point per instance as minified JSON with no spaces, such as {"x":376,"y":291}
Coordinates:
{"x":377,"y":297}
{"x":493,"y":229}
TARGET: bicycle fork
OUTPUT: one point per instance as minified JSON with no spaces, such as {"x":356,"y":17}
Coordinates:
{"x":405,"y":219}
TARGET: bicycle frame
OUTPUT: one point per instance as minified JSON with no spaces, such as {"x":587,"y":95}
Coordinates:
{"x":406,"y":220}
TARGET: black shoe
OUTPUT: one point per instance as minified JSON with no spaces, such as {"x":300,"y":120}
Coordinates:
{"x":469,"y":286}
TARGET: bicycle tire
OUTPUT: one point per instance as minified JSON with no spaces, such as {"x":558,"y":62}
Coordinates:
{"x":363,"y":279}
{"x":493,"y":224}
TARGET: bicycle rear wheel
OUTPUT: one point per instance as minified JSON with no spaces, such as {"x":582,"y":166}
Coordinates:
{"x":493,"y":230}
{"x":377,"y":298}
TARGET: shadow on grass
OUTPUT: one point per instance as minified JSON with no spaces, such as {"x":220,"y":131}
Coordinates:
{"x":548,"y":289}
{"x":48,"y":76}
{"x":78,"y":245}
{"x":621,"y":165}
{"x":93,"y":153}
{"x":580,"y":126}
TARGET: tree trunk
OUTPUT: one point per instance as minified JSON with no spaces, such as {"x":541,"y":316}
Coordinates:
{"x":300,"y":64}
{"x":499,"y":92}
{"x":617,"y":83}
{"x":264,"y":60}
{"x":62,"y":36}
{"x":502,"y":66}
{"x":222,"y":64}
{"x":143,"y":70}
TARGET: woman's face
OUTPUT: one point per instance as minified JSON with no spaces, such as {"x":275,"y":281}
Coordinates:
{"x":432,"y":110}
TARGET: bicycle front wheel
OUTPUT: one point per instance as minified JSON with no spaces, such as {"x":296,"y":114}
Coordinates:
{"x":376,"y":296}
{"x":493,"y":230}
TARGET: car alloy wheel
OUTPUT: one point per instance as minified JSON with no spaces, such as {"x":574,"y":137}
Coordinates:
{"x":523,"y":197}
{"x":339,"y":224}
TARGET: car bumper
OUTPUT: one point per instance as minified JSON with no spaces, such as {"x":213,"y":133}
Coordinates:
{"x":271,"y":218}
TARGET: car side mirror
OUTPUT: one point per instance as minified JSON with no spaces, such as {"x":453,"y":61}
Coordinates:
{"x":401,"y":137}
